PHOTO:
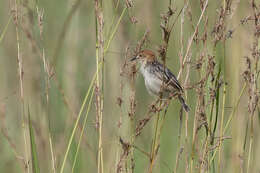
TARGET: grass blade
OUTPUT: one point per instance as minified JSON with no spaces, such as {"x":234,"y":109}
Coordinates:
{"x":35,"y":163}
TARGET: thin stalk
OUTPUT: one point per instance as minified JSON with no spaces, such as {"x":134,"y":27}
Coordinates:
{"x":5,"y":29}
{"x":132,"y":129}
{"x":114,"y":31}
{"x":82,"y":131}
{"x":221,"y":128}
{"x":99,"y":83}
{"x":185,"y":59}
{"x":48,"y":110}
{"x":195,"y":122}
{"x":250,"y":143}
{"x":100,"y":52}
{"x":52,"y":154}
{"x":100,"y":120}
{"x":113,"y":19}
{"x":157,"y":135}
{"x":76,"y":123}
{"x":162,"y":122}
{"x":179,"y":144}
{"x":212,"y":135}
{"x":235,"y":108}
{"x":223,"y":108}
{"x":20,"y":71}
{"x":154,"y":145}
{"x":205,"y":149}
{"x":230,"y":118}
{"x":191,"y":40}
{"x":217,"y":107}
{"x":193,"y":136}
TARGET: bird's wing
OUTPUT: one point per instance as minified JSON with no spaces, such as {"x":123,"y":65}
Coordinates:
{"x":168,"y":77}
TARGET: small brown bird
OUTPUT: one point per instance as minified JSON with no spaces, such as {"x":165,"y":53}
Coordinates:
{"x":159,"y":80}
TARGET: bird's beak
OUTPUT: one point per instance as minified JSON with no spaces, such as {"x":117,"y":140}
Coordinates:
{"x":134,"y":58}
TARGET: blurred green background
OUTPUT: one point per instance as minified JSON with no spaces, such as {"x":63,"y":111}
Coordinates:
{"x":73,"y":58}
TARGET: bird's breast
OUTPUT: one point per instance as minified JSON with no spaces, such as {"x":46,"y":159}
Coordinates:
{"x":152,"y":82}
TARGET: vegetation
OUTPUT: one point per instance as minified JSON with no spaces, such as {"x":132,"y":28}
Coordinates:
{"x":71,"y":101}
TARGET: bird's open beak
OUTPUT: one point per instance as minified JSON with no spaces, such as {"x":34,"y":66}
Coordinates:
{"x":134,"y":58}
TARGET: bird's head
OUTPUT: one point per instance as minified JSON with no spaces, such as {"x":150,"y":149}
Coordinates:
{"x":144,"y":56}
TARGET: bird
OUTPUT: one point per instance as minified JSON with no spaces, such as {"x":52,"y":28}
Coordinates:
{"x":159,"y":80}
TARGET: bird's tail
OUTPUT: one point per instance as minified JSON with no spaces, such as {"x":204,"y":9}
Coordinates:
{"x":184,"y":105}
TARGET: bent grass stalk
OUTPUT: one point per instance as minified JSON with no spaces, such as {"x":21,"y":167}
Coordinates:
{"x":230,"y":118}
{"x":113,"y":19}
{"x":235,"y":108}
{"x":191,"y":39}
{"x":77,"y":122}
{"x":114,"y":31}
{"x":82,"y":131}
